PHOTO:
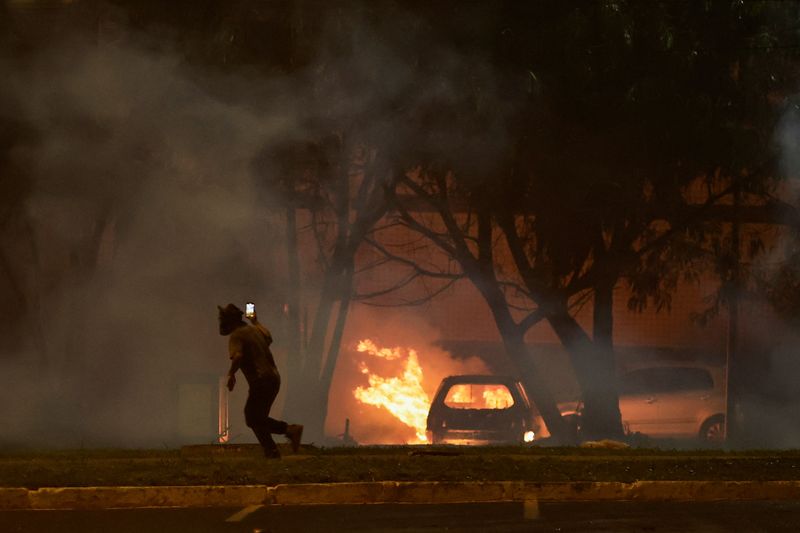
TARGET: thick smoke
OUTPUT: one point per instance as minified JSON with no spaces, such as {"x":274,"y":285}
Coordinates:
{"x":143,"y":208}
{"x":140,"y":209}
{"x":144,"y":214}
{"x":768,"y":407}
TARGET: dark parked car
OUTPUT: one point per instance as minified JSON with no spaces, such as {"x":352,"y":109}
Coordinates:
{"x":477,"y":409}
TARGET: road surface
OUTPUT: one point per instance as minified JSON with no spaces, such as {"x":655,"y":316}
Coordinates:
{"x":617,"y":517}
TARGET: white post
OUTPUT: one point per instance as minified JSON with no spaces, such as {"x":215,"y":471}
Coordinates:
{"x":223,"y":427}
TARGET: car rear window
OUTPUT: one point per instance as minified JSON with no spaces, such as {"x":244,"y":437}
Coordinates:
{"x":479,"y":396}
{"x":666,"y":379}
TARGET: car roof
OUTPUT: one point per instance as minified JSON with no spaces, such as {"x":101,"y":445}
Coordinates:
{"x":670,"y":364}
{"x":479,"y":378}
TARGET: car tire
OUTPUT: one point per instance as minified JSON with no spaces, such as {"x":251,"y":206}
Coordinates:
{"x":713,"y":430}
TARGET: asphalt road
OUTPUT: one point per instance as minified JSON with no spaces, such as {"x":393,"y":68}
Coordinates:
{"x":618,"y":517}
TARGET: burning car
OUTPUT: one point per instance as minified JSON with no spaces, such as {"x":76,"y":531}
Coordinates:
{"x":665,"y":400}
{"x":480,"y":409}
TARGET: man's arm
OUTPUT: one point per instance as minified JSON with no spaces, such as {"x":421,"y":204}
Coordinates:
{"x":264,"y":331}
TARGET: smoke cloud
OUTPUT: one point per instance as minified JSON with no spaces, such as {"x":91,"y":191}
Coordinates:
{"x":144,"y":213}
{"x":142,"y":204}
{"x":131,"y":205}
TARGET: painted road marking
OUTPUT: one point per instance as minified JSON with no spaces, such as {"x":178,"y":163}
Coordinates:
{"x":244,"y":513}
{"x":530,"y":509}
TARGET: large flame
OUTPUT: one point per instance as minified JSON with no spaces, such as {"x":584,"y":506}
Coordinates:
{"x":402,"y":396}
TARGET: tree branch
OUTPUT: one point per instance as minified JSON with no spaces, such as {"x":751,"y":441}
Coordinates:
{"x":417,"y":302}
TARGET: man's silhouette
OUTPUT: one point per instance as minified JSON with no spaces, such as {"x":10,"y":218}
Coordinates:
{"x":249,"y":352}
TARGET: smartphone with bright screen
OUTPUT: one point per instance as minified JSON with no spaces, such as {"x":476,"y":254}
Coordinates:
{"x":249,"y":309}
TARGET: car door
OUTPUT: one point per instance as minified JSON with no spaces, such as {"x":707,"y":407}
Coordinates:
{"x":638,"y":401}
{"x":683,"y":400}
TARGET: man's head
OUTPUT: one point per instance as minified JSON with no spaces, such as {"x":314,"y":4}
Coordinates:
{"x":230,"y":318}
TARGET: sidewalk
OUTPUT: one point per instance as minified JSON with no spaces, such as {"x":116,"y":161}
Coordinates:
{"x":391,"y":492}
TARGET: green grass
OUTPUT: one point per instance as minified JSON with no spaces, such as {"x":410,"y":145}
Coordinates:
{"x":244,"y":465}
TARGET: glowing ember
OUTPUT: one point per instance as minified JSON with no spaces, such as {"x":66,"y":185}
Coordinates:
{"x":402,"y":396}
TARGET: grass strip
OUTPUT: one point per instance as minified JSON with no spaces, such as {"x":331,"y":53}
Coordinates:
{"x":244,"y":465}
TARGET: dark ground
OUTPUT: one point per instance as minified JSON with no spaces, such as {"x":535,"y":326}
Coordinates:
{"x":620,"y":517}
{"x":244,"y":465}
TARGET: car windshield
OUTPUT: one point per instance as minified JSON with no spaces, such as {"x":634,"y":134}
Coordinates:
{"x":479,"y":396}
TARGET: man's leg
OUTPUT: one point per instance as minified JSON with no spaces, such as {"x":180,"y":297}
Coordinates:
{"x":256,"y":411}
{"x":294,"y":432}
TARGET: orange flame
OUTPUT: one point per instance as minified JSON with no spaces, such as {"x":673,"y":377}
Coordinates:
{"x":486,"y":397}
{"x":497,"y":398}
{"x":402,"y":396}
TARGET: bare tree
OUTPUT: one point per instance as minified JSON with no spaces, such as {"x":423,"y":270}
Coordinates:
{"x":339,"y":185}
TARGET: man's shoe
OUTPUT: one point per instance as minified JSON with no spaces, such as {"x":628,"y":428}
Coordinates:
{"x":294,"y":432}
{"x":272,"y":454}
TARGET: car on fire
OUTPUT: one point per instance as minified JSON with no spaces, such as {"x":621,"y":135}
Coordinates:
{"x":677,"y":400}
{"x":481,"y":409}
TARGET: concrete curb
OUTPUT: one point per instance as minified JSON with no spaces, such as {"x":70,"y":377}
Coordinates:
{"x":499,"y":491}
{"x":391,"y":492}
{"x":132,"y":497}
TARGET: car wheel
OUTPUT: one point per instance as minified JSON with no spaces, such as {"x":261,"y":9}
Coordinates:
{"x":713,"y":430}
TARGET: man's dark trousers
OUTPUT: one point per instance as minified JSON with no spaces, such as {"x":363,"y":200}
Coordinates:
{"x":256,"y":412}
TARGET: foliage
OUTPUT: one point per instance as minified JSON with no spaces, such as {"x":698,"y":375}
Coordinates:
{"x":592,"y":149}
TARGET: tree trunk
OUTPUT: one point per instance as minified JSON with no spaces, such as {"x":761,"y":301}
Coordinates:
{"x":535,"y":386}
{"x":312,"y":402}
{"x":345,"y":295}
{"x":310,"y":407}
{"x":608,"y":395}
{"x":733,"y":374}
{"x":305,"y":401}
{"x":295,"y":356}
{"x":36,"y":301}
{"x":594,"y":368}
{"x":481,"y":273}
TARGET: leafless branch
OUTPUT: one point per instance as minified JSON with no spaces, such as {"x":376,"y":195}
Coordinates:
{"x":372,"y":265}
{"x":414,"y":224}
{"x":416,"y":302}
{"x":388,"y":290}
{"x":578,"y":304}
{"x":416,"y":267}
{"x":532,"y":319}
